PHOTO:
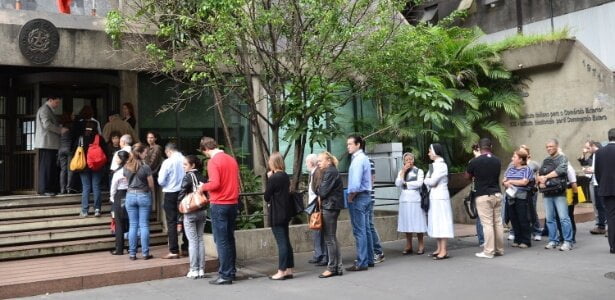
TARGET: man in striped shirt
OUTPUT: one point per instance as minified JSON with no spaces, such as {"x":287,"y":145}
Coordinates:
{"x":378,"y":254}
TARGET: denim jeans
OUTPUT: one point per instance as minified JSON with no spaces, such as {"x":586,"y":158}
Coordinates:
{"x":90,"y":181}
{"x":194,"y":225}
{"x":559,"y":204}
{"x":572,"y":222}
{"x":535,"y":222}
{"x":599,"y":209}
{"x":320,"y":247}
{"x":223,"y":227}
{"x":285,"y":249}
{"x":138,"y":206}
{"x":519,"y":218}
{"x":375,"y":237}
{"x":479,"y":231}
{"x":359,"y":217}
{"x":329,"y":217}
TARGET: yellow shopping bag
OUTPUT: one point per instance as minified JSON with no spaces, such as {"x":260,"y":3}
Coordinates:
{"x":580,"y":195}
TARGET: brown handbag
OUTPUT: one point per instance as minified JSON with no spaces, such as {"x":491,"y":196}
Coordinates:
{"x":193,"y":201}
{"x":316,"y":217}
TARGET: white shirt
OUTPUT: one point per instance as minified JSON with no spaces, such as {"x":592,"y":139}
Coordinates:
{"x":311,"y":194}
{"x":114,"y":165}
{"x":118,"y":182}
{"x":172,"y":173}
{"x":572,"y":175}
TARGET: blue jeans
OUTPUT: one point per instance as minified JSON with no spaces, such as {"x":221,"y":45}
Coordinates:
{"x":600,"y":210}
{"x":479,"y":231}
{"x":559,"y":204}
{"x":359,"y":217}
{"x":138,"y":206}
{"x":90,"y":181}
{"x":320,"y":247}
{"x":285,"y":249}
{"x":375,"y":237}
{"x":223,"y":227}
{"x":536,"y":229}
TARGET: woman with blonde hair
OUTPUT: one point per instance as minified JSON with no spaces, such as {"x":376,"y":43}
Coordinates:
{"x":331,"y":196}
{"x":280,"y":207}
{"x":138,"y":200}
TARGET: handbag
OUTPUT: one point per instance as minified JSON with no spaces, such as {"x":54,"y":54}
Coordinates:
{"x":580,"y":196}
{"x":469,"y":203}
{"x":424,"y":191}
{"x":193,"y":201}
{"x":316,"y":217}
{"x":78,"y":162}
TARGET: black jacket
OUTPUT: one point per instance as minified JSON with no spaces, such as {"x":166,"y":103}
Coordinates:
{"x":331,"y":189}
{"x":604,"y":170}
{"x":186,"y":187}
{"x":277,"y":196}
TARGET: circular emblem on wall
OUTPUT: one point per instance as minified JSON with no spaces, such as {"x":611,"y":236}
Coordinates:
{"x":39,"y":41}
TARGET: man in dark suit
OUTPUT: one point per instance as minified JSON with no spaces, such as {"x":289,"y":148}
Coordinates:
{"x":605,"y":174}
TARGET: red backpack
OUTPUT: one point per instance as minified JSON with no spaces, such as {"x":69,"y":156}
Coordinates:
{"x":96,"y":157}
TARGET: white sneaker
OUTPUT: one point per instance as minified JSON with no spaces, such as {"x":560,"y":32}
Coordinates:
{"x":537,"y":237}
{"x":378,"y":258}
{"x":483,"y":255}
{"x":551,"y":245}
{"x":566,"y":247}
{"x":201,"y":273}
{"x":193,"y":274}
{"x":511,"y":237}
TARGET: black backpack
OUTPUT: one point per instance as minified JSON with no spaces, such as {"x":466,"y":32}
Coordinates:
{"x":554,"y":186}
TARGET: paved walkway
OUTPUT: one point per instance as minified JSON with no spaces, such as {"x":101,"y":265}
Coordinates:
{"x":533,"y":273}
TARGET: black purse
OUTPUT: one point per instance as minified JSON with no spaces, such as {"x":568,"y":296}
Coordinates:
{"x":469,"y":203}
{"x":297,"y":206}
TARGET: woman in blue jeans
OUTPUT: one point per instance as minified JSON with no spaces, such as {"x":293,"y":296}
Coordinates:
{"x":90,"y":179}
{"x":194,"y":222}
{"x":138,"y":200}
{"x":279,"y":207}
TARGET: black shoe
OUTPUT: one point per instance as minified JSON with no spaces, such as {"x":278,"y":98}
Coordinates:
{"x":49,"y":194}
{"x":132,"y":257}
{"x":322,"y":263}
{"x":370,"y":265}
{"x":612,"y":251}
{"x":220,"y":281}
{"x":313,"y":261}
{"x":356,"y":268}
{"x":149,"y":256}
{"x":115,"y":252}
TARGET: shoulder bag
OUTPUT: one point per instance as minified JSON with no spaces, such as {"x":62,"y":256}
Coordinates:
{"x":316,"y":217}
{"x":78,"y":162}
{"x":193,"y":201}
{"x":297,"y":206}
{"x":424,"y":191}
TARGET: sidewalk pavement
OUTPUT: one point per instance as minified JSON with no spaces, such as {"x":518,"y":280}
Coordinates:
{"x":533,"y":273}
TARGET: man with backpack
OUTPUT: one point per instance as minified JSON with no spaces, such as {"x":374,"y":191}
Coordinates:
{"x":552,"y":182}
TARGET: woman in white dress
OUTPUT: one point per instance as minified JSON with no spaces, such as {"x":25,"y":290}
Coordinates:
{"x":411,"y":218}
{"x":440,"y":215}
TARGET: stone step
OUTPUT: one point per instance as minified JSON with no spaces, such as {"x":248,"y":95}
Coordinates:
{"x":71,"y":221}
{"x":18,"y":201}
{"x":45,"y":211}
{"x":62,"y":234}
{"x":68,"y":247}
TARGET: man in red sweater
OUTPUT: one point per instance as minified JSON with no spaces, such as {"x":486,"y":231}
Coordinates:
{"x":223,"y":188}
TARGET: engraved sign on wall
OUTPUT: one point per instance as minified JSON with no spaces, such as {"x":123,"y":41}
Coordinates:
{"x":39,"y":41}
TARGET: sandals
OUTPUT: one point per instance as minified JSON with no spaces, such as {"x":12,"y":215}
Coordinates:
{"x":407,"y":251}
{"x":420,"y":252}
{"x":436,"y":257}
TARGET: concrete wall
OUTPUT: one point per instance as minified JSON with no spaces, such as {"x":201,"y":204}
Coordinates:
{"x":257,"y":243}
{"x":83,"y":42}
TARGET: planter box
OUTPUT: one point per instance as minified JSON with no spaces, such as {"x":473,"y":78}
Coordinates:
{"x":537,"y":55}
{"x":257,"y":243}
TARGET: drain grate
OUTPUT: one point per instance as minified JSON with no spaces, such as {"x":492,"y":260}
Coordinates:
{"x":610,"y":275}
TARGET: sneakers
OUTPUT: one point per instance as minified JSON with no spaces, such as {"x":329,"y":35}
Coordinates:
{"x":83,"y":214}
{"x":97,"y":212}
{"x":597,"y":230}
{"x":515,"y":245}
{"x":566,"y":247}
{"x":483,"y":255}
{"x":537,"y":237}
{"x":201,"y":273}
{"x":378,"y":258}
{"x":551,"y":245}
{"x":193,"y":274}
{"x":511,"y":237}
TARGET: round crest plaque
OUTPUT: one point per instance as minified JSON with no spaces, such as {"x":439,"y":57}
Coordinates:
{"x":39,"y":41}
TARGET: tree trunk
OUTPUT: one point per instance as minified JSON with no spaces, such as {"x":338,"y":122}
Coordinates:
{"x":298,"y":162}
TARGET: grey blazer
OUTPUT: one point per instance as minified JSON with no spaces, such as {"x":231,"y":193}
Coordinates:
{"x":47,"y":133}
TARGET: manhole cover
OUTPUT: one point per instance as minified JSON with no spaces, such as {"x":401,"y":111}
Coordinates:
{"x":610,"y":275}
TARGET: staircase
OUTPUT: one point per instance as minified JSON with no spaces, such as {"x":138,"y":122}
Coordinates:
{"x":36,"y":226}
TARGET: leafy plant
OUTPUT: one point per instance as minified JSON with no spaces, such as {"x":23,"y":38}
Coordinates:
{"x":522,"y":40}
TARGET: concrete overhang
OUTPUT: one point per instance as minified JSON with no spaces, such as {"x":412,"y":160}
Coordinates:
{"x":551,"y":53}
